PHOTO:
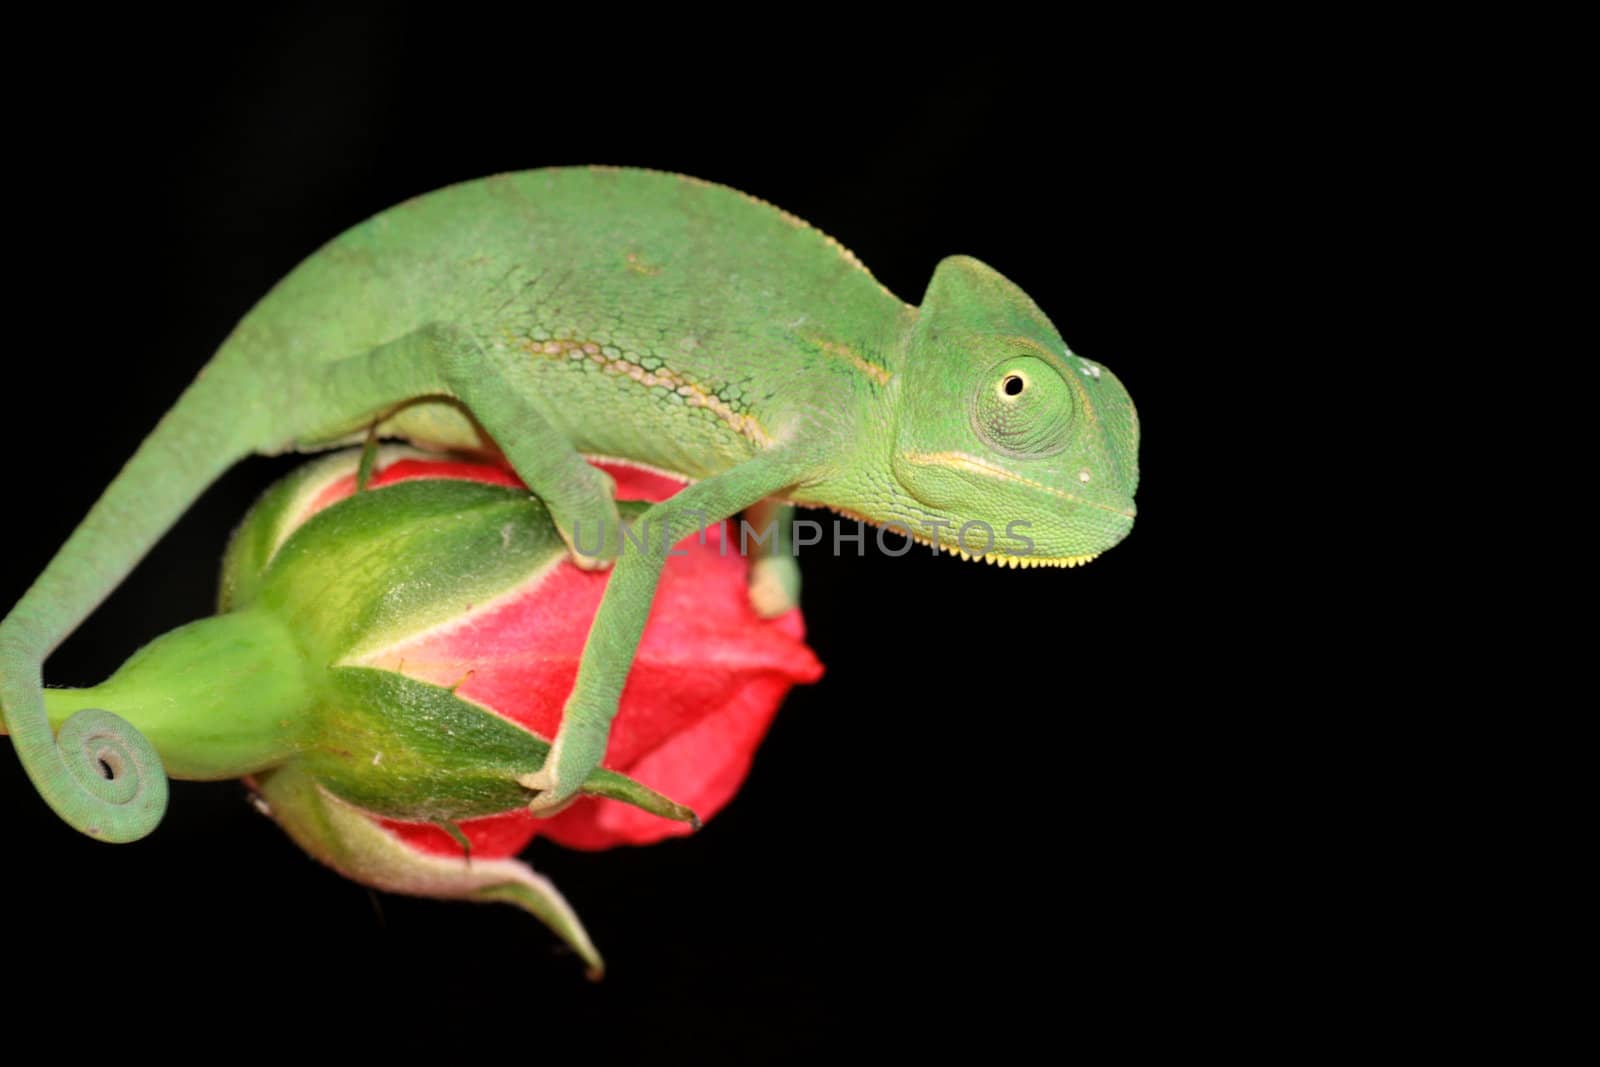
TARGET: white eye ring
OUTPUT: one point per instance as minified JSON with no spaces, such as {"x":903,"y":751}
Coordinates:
{"x":1013,"y":385}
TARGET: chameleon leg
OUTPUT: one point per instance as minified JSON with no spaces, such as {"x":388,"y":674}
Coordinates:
{"x":440,"y":360}
{"x":774,"y":572}
{"x":101,"y":775}
{"x":614,"y":635}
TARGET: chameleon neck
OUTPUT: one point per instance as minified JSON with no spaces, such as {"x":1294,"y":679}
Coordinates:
{"x":838,"y":485}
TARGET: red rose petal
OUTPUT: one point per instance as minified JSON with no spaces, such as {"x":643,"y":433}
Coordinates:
{"x":493,"y":837}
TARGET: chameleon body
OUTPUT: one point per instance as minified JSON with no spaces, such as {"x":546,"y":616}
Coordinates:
{"x":558,"y":314}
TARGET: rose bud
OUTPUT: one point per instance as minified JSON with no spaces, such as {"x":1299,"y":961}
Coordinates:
{"x":389,"y":664}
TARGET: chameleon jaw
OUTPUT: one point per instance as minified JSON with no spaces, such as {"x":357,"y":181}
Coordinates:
{"x":994,"y":559}
{"x":1001,"y":559}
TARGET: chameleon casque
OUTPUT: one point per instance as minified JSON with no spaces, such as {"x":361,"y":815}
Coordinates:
{"x":558,"y":314}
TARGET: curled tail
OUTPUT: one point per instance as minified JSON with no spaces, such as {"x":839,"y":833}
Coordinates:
{"x":100,"y":774}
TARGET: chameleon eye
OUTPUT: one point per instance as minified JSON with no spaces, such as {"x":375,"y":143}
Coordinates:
{"x":1024,"y":408}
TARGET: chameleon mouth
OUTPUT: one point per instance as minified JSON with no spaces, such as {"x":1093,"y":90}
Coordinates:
{"x":994,"y":559}
{"x":1002,"y":559}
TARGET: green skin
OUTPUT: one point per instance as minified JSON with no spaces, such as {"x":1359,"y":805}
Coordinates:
{"x":554,"y":315}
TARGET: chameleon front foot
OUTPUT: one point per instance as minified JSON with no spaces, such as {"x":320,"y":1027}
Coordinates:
{"x":575,"y":754}
{"x":550,"y":799}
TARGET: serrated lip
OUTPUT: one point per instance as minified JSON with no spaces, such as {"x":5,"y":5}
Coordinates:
{"x":994,"y":559}
{"x":1000,"y":559}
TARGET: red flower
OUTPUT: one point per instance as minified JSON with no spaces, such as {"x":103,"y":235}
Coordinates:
{"x":708,"y":678}
{"x":387,"y":668}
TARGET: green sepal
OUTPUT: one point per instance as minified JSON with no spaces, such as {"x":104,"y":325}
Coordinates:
{"x":353,"y":843}
{"x":254,"y":542}
{"x":458,"y":835}
{"x":614,"y":786}
{"x":411,"y":750}
{"x":391,"y":562}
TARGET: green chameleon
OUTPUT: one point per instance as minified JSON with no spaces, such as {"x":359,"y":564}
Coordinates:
{"x":656,"y":319}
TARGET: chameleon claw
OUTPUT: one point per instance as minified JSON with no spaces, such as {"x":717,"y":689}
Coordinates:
{"x":582,"y":559}
{"x":550,"y":798}
{"x":592,"y":529}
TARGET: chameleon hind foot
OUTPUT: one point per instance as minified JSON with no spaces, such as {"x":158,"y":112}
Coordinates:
{"x":775,"y":573}
{"x":774,"y":585}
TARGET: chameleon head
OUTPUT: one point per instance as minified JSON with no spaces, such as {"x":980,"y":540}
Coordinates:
{"x":1000,"y":428}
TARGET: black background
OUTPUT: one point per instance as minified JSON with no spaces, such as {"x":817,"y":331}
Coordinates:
{"x":866,"y":887}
